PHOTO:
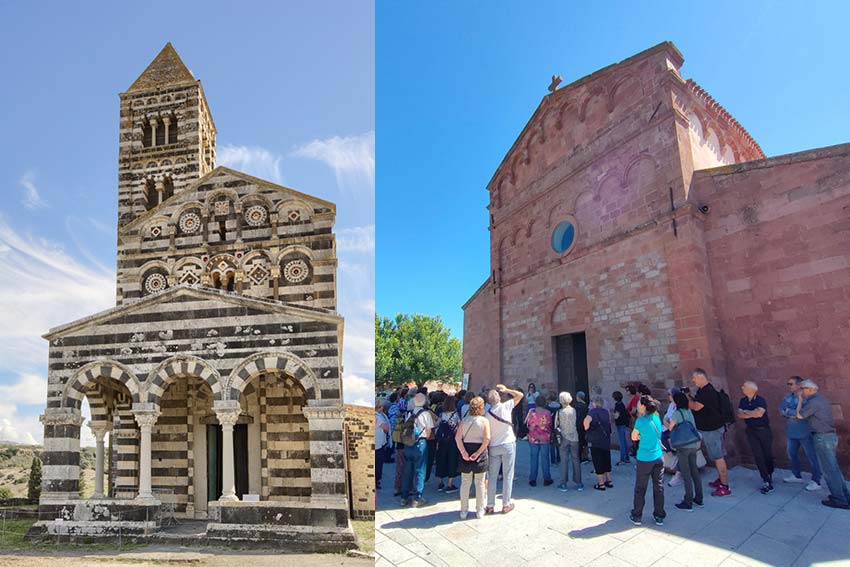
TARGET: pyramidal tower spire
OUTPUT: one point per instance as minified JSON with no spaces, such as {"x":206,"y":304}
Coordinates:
{"x":167,"y":135}
{"x":167,"y":68}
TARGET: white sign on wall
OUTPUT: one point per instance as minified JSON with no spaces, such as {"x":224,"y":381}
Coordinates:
{"x":465,"y":383}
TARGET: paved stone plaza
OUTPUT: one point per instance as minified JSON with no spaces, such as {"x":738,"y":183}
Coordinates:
{"x":786,"y":528}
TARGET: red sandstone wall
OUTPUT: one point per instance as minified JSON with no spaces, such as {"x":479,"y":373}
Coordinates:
{"x":481,"y":338}
{"x":778,"y":240}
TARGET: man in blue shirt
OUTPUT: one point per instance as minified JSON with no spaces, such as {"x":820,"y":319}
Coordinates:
{"x":753,"y":410}
{"x":798,"y":434}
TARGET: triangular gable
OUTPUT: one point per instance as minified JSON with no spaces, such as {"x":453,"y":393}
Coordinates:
{"x":189,"y":194}
{"x":557,"y":97}
{"x":213,"y":295}
{"x":166,"y":69}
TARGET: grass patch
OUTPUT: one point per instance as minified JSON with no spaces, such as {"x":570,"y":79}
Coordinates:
{"x":365,"y":531}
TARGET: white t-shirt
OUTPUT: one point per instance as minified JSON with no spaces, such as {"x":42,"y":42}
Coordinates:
{"x":380,"y":434}
{"x":425,"y":421}
{"x":501,"y":433}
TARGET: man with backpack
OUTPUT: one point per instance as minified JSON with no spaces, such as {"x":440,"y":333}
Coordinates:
{"x":414,"y":437}
{"x":712,"y":412}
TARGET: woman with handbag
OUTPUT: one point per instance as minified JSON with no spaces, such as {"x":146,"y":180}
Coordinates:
{"x":650,"y":465}
{"x":685,"y":439}
{"x":598,"y":427}
{"x":472,"y":439}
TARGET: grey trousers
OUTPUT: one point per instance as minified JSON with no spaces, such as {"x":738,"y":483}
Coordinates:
{"x":690,"y":474}
{"x":569,"y":453}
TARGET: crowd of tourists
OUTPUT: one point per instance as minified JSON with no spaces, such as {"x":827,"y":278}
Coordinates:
{"x":474,"y":435}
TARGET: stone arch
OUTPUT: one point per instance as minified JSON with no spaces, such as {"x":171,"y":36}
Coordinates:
{"x":597,"y":92}
{"x":246,"y":259}
{"x":97,"y":404}
{"x":294,"y":248}
{"x":566,"y":108}
{"x":247,"y":199}
{"x":283,"y":361}
{"x":75,"y":388}
{"x":302,"y":206}
{"x":145,"y":230}
{"x":636,"y":160}
{"x":175,"y":216}
{"x":570,"y":311}
{"x":181,"y":365}
{"x":620,"y":86}
{"x":229,"y":193}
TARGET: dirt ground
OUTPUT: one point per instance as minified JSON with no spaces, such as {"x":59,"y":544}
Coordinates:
{"x":159,"y":557}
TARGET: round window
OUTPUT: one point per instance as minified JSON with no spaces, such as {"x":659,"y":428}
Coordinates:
{"x":563,"y":237}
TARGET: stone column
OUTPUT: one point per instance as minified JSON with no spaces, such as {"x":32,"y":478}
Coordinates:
{"x":275,"y":275}
{"x":153,"y":131}
{"x":227,"y":412}
{"x":146,"y":418}
{"x":99,"y":429}
{"x":238,"y":208}
{"x":61,"y":476}
{"x":167,"y":121}
{"x":240,"y":280}
{"x":327,"y":452}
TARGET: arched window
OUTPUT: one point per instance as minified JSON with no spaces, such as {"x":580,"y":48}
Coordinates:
{"x":147,"y":135}
{"x":168,"y":186}
{"x":172,"y":131}
{"x":151,"y":196}
{"x":160,"y":133}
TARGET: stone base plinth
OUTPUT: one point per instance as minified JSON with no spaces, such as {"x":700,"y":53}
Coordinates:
{"x":300,"y":526}
{"x":105,"y":518}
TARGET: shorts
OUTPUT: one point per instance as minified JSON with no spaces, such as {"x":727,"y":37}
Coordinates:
{"x":714,"y":443}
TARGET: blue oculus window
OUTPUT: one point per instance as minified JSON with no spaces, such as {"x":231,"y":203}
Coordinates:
{"x":563,"y":237}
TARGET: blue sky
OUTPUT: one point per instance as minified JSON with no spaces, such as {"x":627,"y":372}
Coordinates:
{"x":457,"y":81}
{"x":291,"y":89}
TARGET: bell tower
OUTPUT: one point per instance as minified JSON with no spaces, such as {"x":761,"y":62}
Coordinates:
{"x":167,"y":136}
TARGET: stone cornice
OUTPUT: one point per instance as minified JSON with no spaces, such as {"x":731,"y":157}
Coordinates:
{"x":323,"y":412}
{"x":62,"y":416}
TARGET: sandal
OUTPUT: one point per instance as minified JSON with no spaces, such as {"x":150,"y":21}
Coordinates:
{"x":609,"y":484}
{"x":599,"y":486}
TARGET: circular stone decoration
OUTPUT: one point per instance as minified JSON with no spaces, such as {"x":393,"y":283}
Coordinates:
{"x":256,"y":215}
{"x":155,"y":283}
{"x":295,"y":271}
{"x":563,"y":237}
{"x":190,"y":223}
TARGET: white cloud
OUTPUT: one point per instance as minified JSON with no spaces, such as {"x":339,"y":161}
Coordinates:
{"x":356,"y":239}
{"x":28,"y":390}
{"x":358,"y":390}
{"x":32,"y":199}
{"x":19,"y":429}
{"x":351,"y":157}
{"x":50,"y":288}
{"x":253,"y":160}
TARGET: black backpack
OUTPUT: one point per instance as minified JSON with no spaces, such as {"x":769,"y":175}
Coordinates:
{"x":726,"y":410}
{"x":445,"y":431}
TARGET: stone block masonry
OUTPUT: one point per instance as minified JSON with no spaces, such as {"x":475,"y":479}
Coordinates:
{"x":360,"y":454}
{"x":690,"y":247}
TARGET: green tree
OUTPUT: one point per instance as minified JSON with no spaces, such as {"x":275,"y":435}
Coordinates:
{"x":415,"y":347}
{"x":34,"y":484}
{"x":84,"y":485}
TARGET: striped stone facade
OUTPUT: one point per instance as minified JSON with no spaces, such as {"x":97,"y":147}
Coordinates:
{"x":225,"y":316}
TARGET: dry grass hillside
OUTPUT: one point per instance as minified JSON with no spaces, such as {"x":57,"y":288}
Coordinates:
{"x":15,"y":462}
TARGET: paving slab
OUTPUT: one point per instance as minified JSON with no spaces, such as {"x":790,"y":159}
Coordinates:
{"x":591,"y":528}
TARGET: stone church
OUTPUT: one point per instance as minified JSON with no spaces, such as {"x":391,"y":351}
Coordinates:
{"x":637,"y":231}
{"x":217,"y":376}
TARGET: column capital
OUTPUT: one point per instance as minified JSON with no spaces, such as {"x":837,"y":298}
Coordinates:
{"x":146,"y":418}
{"x":227,"y":411}
{"x":99,"y":429}
{"x":62,"y":416}
{"x":323,"y":412}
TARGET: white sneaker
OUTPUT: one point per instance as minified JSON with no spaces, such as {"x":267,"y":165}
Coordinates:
{"x":812,"y":486}
{"x":792,"y":478}
{"x":480,"y":514}
{"x":676,"y":480}
{"x":463,"y":515}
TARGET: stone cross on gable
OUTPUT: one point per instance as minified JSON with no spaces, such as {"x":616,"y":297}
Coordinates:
{"x":556,"y":80}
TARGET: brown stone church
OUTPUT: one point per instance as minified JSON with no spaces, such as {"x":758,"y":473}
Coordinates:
{"x":637,"y":231}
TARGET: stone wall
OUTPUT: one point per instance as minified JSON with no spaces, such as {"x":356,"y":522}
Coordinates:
{"x":360,"y":456}
{"x":777,"y":235}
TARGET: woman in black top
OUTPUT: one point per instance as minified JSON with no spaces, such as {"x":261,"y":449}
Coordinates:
{"x":622,"y":420}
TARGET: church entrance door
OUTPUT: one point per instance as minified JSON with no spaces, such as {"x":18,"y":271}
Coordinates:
{"x":571,"y":363}
{"x":214,"y":460}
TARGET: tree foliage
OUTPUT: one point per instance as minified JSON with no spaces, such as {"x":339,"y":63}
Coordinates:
{"x":34,"y":484}
{"x":415,"y":348}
